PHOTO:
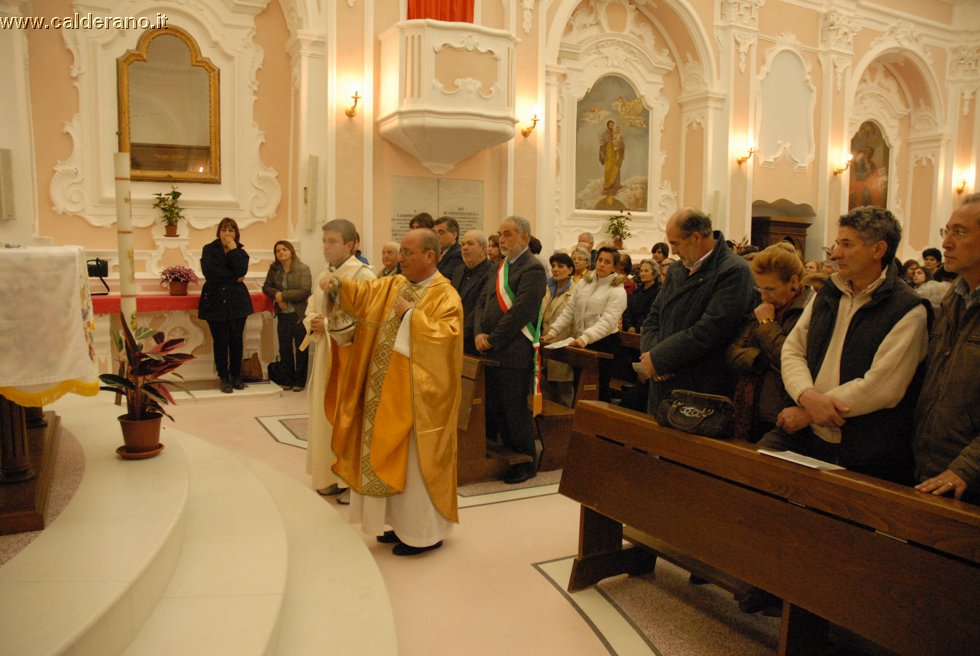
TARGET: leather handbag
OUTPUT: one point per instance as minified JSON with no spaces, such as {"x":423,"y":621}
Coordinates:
{"x":252,"y":369}
{"x":710,"y":415}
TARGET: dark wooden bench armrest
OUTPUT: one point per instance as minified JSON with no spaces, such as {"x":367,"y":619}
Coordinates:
{"x":630,"y":340}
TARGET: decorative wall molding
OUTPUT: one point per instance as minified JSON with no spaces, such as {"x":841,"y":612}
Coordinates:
{"x":83,"y":184}
{"x":841,"y":63}
{"x":905,"y":35}
{"x":693,"y":79}
{"x":925,"y":158}
{"x":838,"y":30}
{"x":744,"y":41}
{"x":741,"y":13}
{"x":590,"y":21}
{"x":691,"y":120}
{"x":527,"y":9}
{"x":964,"y":73}
{"x":787,"y":102}
{"x":964,"y":62}
{"x":924,"y":122}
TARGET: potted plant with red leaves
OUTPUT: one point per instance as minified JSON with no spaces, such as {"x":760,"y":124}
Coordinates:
{"x":141,"y":382}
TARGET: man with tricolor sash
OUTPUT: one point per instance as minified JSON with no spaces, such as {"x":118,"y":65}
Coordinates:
{"x":508,"y":330}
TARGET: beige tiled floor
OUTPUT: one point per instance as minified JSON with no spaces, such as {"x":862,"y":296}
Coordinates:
{"x":479,"y":594}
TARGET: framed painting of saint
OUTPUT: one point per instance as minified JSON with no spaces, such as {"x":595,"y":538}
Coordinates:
{"x":869,"y":168}
{"x":612,"y":148}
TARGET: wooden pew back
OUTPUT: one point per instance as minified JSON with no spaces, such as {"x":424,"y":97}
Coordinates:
{"x":888,"y":563}
{"x":554,"y":424}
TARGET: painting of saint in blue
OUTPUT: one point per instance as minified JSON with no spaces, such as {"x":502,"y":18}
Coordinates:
{"x":612,"y":147}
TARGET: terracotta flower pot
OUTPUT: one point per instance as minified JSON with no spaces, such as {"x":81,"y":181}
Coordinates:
{"x":178,"y":288}
{"x":141,"y":436}
{"x":170,"y":230}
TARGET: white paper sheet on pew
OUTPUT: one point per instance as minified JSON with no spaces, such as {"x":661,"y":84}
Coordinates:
{"x":799,"y":459}
{"x":562,"y":344}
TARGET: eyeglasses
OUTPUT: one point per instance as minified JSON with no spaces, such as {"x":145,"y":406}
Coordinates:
{"x":959,"y":232}
{"x":765,"y":290}
{"x":404,"y":252}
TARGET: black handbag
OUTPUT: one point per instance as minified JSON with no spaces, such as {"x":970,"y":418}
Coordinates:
{"x":710,"y":415}
{"x":276,"y":374}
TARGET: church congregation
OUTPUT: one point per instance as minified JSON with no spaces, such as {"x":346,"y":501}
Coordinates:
{"x":526,"y":295}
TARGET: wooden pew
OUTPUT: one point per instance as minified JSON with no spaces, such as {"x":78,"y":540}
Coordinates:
{"x":476,"y":460}
{"x":899,"y":568}
{"x":630,"y":344}
{"x":554,"y":424}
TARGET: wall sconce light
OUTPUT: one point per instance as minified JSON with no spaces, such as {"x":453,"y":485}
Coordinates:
{"x":961,"y":187}
{"x":746,"y":157}
{"x":527,"y":131}
{"x":847,"y":164}
{"x":352,"y":110}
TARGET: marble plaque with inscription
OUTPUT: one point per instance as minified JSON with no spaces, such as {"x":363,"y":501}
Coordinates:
{"x":460,"y":199}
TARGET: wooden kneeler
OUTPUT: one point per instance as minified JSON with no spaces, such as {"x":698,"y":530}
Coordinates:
{"x":554,"y":424}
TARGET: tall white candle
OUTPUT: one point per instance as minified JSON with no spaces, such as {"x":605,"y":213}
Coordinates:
{"x":124,"y":235}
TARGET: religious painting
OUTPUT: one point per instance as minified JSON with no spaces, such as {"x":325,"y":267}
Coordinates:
{"x":869,"y":168}
{"x":612,"y":148}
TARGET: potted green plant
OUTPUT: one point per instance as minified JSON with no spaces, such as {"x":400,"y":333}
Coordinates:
{"x":171,"y":211}
{"x":617,"y":227}
{"x":177,"y":278}
{"x":140,"y":381}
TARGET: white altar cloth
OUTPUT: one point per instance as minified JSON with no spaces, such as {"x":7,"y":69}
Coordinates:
{"x":46,"y":325}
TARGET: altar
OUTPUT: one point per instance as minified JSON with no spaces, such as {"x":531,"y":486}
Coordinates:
{"x":46,"y":346}
{"x":176,"y":316}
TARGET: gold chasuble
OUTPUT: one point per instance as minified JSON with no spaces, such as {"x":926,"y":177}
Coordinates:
{"x":375,"y":396}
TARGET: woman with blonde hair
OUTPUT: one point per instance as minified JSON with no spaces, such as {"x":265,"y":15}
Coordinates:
{"x":755,"y":357}
{"x":755,"y":354}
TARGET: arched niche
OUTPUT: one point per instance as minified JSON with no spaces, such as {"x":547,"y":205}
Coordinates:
{"x":168,"y":100}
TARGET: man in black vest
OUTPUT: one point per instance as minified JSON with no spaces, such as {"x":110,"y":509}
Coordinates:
{"x":852,"y":357}
{"x":506,"y":319}
{"x":470,"y":281}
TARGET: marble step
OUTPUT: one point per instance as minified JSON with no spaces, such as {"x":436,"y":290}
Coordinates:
{"x":197,"y":551}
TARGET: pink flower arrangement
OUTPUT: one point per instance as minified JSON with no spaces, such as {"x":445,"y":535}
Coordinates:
{"x":177,"y":274}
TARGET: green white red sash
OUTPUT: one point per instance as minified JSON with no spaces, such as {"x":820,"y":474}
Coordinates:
{"x":505,"y":298}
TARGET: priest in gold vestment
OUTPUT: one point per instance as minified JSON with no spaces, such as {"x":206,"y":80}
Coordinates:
{"x":394,"y":402}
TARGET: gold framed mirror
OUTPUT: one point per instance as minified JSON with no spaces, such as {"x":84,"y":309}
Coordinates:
{"x":168,"y":109}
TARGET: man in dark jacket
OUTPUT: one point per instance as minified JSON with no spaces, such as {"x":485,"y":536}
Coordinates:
{"x":850,"y":362}
{"x":470,"y":281}
{"x":505,"y":326}
{"x":947,"y":426}
{"x":697,"y":312}
{"x":447,"y":230}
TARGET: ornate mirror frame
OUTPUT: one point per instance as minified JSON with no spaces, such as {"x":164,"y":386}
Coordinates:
{"x":140,"y":54}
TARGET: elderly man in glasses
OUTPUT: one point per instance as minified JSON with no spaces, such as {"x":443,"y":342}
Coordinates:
{"x":394,"y":403}
{"x":947,"y":427}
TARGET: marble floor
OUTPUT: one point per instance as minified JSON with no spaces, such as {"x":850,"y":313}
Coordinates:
{"x":496,"y":587}
{"x":482,"y":592}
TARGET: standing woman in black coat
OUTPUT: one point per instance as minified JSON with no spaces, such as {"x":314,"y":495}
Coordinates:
{"x":225,"y":303}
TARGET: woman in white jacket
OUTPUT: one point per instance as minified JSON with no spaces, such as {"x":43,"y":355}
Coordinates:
{"x":597,"y":305}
